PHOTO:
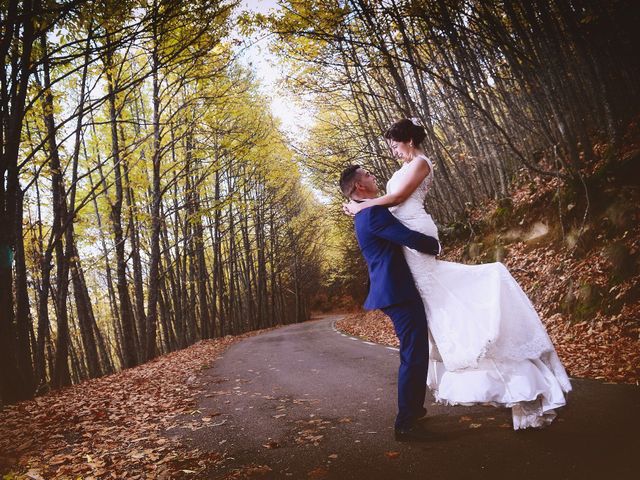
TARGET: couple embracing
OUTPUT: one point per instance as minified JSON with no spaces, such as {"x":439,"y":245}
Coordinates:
{"x":468,"y":332}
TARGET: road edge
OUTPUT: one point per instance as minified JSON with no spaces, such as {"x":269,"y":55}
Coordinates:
{"x":363,"y":340}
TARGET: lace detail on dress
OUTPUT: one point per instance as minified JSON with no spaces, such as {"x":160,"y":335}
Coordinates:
{"x":414,"y":205}
{"x":530,"y":415}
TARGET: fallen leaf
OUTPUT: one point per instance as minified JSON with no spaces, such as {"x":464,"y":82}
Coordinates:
{"x":34,"y":475}
{"x":59,"y":460}
{"x":319,"y":472}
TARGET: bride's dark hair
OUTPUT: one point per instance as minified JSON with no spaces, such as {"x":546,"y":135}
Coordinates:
{"x":405,"y":130}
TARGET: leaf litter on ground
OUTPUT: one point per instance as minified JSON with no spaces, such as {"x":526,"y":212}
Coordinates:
{"x":115,"y":426}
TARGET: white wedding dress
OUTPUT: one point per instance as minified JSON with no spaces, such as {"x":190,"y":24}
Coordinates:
{"x":487,"y":343}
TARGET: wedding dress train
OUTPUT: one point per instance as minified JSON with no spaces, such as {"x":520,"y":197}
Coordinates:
{"x":487,"y":343}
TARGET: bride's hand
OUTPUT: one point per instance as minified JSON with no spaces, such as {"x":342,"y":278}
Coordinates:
{"x":351,"y":208}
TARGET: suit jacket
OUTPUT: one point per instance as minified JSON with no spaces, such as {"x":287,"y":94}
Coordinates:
{"x":381,"y":237}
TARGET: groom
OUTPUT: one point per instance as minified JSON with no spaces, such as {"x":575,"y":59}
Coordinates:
{"x":392,"y":289}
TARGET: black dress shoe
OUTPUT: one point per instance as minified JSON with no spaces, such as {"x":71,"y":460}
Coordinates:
{"x":416,"y":433}
{"x":420,"y":416}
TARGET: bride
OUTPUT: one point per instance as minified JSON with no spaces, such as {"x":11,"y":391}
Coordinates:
{"x":487,"y":343}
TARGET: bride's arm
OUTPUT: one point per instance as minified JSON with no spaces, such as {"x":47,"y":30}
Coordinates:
{"x":417,"y":172}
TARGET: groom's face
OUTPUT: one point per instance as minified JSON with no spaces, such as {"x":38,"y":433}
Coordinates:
{"x":366,"y":183}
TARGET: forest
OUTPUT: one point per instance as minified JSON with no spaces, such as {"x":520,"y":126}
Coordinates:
{"x":149,"y":198}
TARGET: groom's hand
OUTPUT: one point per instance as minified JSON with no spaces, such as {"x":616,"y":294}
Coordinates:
{"x":346,"y":211}
{"x":352,"y":208}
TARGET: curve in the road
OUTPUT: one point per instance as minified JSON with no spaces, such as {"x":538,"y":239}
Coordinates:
{"x":310,"y":402}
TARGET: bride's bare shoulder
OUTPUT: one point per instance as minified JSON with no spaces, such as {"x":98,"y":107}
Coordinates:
{"x":423,"y":158}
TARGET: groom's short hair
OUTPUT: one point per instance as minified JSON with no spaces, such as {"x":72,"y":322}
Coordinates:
{"x":348,"y":179}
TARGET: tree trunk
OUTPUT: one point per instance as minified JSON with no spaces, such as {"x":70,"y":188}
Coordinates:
{"x":130,"y":356}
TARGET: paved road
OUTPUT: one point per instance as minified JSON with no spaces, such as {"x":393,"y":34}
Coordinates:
{"x":311,"y":403}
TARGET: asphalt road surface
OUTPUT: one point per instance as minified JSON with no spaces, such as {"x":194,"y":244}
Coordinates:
{"x":305,"y":402}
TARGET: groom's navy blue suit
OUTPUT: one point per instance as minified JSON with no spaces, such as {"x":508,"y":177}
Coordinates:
{"x":392,"y":289}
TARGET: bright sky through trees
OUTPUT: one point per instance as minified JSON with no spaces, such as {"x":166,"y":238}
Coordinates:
{"x":270,"y":73}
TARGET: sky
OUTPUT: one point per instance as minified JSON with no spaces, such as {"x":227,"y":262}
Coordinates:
{"x":269,"y":72}
{"x":296,"y":118}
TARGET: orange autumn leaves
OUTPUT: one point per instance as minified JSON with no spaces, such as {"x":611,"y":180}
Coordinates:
{"x":114,"y":426}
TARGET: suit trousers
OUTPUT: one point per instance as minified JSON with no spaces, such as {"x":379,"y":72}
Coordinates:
{"x":410,"y":323}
